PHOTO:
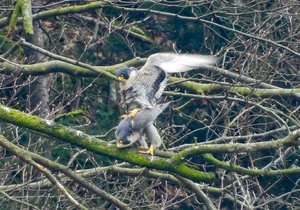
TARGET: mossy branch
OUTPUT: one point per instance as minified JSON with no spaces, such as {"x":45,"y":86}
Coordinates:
{"x":56,"y":66}
{"x":204,"y":89}
{"x":251,"y":172}
{"x":75,"y":113}
{"x":77,"y":138}
{"x":61,"y":11}
{"x":293,"y":139}
{"x":27,"y":17}
{"x":14,"y":16}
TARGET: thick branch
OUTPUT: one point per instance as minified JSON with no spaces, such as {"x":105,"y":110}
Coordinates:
{"x":245,"y":91}
{"x":68,"y":60}
{"x":63,"y":67}
{"x":49,"y":128}
{"x":250,"y":172}
{"x":291,"y":140}
{"x":60,"y":11}
{"x":27,"y":17}
{"x":75,"y":70}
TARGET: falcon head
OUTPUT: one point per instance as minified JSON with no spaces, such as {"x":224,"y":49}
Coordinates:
{"x":124,"y":134}
{"x":124,"y":74}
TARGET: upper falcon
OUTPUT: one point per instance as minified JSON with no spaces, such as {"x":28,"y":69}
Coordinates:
{"x":142,"y":88}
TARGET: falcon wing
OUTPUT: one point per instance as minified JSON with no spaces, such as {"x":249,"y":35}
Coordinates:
{"x":152,"y":77}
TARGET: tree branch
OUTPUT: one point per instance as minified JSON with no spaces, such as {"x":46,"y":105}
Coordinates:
{"x":199,"y":193}
{"x":68,"y":60}
{"x":18,"y":201}
{"x":56,"y":66}
{"x":251,"y":172}
{"x":28,"y":159}
{"x":167,"y":14}
{"x":74,"y":137}
{"x":245,"y":91}
{"x":19,"y":152}
{"x":293,"y":139}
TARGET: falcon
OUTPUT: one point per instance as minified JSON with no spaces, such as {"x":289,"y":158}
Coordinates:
{"x":132,"y":128}
{"x":141,"y":89}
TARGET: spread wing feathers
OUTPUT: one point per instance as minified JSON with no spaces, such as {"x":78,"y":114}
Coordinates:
{"x":152,"y":77}
{"x":185,"y":62}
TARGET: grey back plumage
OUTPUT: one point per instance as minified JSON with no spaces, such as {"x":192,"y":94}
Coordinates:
{"x":152,"y":78}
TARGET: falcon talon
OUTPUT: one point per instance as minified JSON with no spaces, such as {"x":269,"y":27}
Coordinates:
{"x":134,"y":112}
{"x":150,"y":151}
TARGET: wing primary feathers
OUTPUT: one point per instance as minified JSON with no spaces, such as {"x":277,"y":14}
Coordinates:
{"x":186,"y":62}
{"x":158,"y":86}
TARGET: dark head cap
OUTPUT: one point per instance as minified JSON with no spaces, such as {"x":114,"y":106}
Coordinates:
{"x":125,"y":72}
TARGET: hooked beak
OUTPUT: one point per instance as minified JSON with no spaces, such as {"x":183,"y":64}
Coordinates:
{"x":121,"y":78}
{"x":120,"y":143}
{"x":124,"y":143}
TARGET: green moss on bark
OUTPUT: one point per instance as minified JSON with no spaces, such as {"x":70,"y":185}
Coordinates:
{"x":14,"y":16}
{"x":77,"y":138}
{"x":27,"y":17}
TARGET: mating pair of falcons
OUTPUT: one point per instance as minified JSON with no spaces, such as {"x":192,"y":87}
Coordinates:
{"x":140,"y":91}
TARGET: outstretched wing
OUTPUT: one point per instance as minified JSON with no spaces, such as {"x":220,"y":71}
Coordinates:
{"x":152,"y":77}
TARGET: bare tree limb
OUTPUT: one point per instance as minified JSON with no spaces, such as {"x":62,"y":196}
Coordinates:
{"x":37,"y":159}
{"x":199,"y":193}
{"x":17,"y":201}
{"x":26,"y":158}
{"x":59,"y":132}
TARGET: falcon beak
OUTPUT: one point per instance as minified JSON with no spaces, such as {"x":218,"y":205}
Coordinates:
{"x":120,"y":143}
{"x":121,"y":78}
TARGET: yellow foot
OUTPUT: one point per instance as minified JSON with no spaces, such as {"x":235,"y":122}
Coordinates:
{"x":123,"y":116}
{"x":150,"y":151}
{"x":133,"y":112}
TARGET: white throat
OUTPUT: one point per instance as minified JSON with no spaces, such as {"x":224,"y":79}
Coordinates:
{"x":128,"y":83}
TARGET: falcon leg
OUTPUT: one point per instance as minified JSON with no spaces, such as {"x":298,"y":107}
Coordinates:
{"x":150,"y":151}
{"x":133,"y":112}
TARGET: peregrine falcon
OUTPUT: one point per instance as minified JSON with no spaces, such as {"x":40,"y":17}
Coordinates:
{"x":141,"y":89}
{"x":131,"y":128}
